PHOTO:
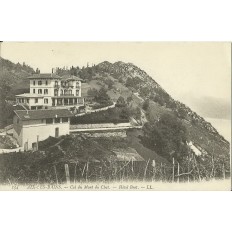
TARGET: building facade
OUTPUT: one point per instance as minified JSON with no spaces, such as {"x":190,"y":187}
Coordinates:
{"x":32,"y":126}
{"x":51,"y":90}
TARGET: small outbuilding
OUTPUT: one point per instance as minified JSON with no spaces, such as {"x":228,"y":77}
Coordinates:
{"x":32,"y":126}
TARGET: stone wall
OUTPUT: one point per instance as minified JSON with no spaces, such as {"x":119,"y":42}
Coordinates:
{"x":99,"y":125}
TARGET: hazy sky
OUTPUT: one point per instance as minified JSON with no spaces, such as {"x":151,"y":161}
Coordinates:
{"x":184,"y":68}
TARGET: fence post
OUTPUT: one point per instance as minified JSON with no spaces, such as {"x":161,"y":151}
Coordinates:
{"x":145,"y":171}
{"x":198,"y":171}
{"x":75,"y":172}
{"x":188,"y":168}
{"x":173,"y":169}
{"x":213,"y":167}
{"x":87,"y":169}
{"x":178,"y":172}
{"x":56,"y":175}
{"x":224,"y":171}
{"x":161,"y":171}
{"x":154,"y":169}
{"x":37,"y":143}
{"x":67,"y":174}
{"x":132,"y":166}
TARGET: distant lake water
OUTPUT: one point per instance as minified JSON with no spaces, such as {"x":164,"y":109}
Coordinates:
{"x":223,"y":126}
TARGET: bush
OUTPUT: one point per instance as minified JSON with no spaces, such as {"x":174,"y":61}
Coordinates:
{"x":146,"y":105}
{"x":120,"y":102}
{"x":167,"y":137}
{"x":114,"y":115}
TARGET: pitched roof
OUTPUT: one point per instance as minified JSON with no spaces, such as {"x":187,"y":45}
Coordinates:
{"x":44,"y":76}
{"x":71,"y":77}
{"x":20,"y":107}
{"x":42,"y":114}
{"x":29,"y":95}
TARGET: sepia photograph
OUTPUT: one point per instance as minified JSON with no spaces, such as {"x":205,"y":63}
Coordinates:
{"x":127,"y":116}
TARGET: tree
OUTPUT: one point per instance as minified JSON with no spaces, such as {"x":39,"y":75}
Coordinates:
{"x":136,"y":113}
{"x":121,"y":102}
{"x":102,"y":96}
{"x":92,"y":92}
{"x":5,"y":109}
{"x":129,"y":99}
{"x":124,"y":113}
{"x":146,"y":105}
{"x":37,"y":71}
{"x":182,"y":113}
{"x":167,"y":136}
{"x":110,"y":83}
{"x":159,"y":100}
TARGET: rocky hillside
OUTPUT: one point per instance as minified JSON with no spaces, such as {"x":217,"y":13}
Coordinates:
{"x":137,"y":87}
{"x":138,"y":80}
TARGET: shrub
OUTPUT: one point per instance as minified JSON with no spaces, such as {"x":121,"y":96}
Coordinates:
{"x":114,"y":115}
{"x":146,"y":105}
{"x":121,"y":102}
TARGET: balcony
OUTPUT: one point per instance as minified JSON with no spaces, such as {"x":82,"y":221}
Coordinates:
{"x":66,"y":94}
{"x":56,"y":86}
{"x":67,"y":86}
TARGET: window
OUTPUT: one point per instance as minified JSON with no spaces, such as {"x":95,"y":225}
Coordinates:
{"x":36,"y":100}
{"x":39,"y":91}
{"x":57,"y":120}
{"x":39,"y":82}
{"x":45,"y":91}
{"x":77,"y":92}
{"x":46,"y":82}
{"x":22,"y":100}
{"x":45,"y":101}
{"x":63,"y":83}
{"x":64,"y":119}
{"x":49,"y":121}
{"x":28,"y":101}
{"x":33,"y":82}
{"x":56,"y":92}
{"x":33,"y":90}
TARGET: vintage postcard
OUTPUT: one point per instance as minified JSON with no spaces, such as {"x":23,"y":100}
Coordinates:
{"x":130,"y":116}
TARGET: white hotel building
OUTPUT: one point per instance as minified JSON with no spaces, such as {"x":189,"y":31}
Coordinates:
{"x":52,"y":91}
